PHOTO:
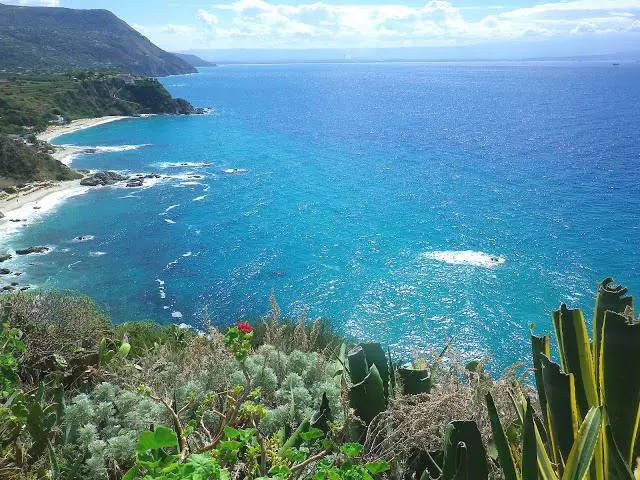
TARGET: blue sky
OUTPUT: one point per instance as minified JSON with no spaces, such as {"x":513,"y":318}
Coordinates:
{"x":587,"y":26}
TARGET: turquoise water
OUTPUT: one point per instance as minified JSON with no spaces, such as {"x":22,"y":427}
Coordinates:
{"x":363,"y":184}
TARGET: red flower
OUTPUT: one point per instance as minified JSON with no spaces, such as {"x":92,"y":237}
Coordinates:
{"x":244,"y":327}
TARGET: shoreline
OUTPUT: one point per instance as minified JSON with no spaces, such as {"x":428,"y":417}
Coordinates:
{"x":54,"y":131}
{"x":45,"y":196}
{"x":20,"y":209}
{"x":66,"y":153}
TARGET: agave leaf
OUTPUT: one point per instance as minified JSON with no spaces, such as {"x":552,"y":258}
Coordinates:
{"x":575,"y":351}
{"x":616,"y":467}
{"x":358,"y":367}
{"x":367,"y":397}
{"x":562,"y":409}
{"x":375,"y":356}
{"x":620,"y":381}
{"x":296,"y":439}
{"x":540,"y":346}
{"x":415,"y":381}
{"x":584,"y":447}
{"x":545,"y":467}
{"x":464,"y":454}
{"x":505,"y":456}
{"x":529,"y":454}
{"x":609,"y":297}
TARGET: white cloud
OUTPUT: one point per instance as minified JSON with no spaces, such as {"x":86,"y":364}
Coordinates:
{"x":33,"y":3}
{"x":208,"y":18}
{"x":262,"y":24}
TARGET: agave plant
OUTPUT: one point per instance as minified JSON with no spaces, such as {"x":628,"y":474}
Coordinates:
{"x":590,"y":402}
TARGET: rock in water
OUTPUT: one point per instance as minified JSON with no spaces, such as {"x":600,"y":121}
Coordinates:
{"x":30,"y":250}
{"x":5,"y":257}
{"x":102,"y":178}
{"x":4,"y":271}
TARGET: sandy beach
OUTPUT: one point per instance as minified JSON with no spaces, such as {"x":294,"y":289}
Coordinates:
{"x":55,"y":131}
{"x":44,"y":196}
{"x":66,"y":153}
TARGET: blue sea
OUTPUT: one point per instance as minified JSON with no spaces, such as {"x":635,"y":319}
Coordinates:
{"x":409,"y":203}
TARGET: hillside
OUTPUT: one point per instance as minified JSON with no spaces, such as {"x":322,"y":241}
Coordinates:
{"x":55,"y":40}
{"x":29,"y":103}
{"x":194,"y":60}
{"x":21,"y":163}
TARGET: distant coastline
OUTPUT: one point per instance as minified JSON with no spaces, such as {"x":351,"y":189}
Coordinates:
{"x":44,"y":196}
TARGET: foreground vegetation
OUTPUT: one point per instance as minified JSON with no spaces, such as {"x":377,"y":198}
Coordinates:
{"x":81,"y":398}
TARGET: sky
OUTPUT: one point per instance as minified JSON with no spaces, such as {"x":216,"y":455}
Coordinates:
{"x":537,"y":27}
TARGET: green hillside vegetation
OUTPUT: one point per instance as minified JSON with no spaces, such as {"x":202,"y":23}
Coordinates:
{"x":21,"y":163}
{"x":32,"y":102}
{"x":55,"y":40}
{"x":287,"y":400}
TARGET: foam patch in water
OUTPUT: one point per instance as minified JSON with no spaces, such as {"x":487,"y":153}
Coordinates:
{"x":466,"y":257}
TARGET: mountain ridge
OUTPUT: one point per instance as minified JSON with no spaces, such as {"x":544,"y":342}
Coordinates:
{"x":57,"y":39}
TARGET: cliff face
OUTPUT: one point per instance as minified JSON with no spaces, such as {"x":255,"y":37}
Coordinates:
{"x":46,"y":39}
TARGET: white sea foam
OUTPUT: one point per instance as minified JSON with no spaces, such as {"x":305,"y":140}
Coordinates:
{"x":185,"y":164}
{"x":97,"y":254}
{"x":168,"y":209}
{"x":107,"y":148}
{"x":46,"y":205}
{"x":190,"y":183}
{"x":199,"y":199}
{"x":72,"y":264}
{"x":466,"y":257}
{"x":168,"y":220}
{"x":83,"y":238}
{"x":188,"y":254}
{"x":176,"y":314}
{"x":161,"y":290}
{"x":234,"y":170}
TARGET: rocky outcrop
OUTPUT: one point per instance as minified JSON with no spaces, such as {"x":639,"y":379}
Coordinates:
{"x":30,"y":250}
{"x":102,"y":178}
{"x":4,"y":271}
{"x":5,"y":257}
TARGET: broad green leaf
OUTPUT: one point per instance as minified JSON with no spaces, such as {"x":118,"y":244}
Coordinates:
{"x":375,"y":468}
{"x":161,"y":437}
{"x":352,"y":449}
{"x":312,"y":434}
{"x":584,"y":447}
{"x":231,"y":433}
{"x":501,"y":443}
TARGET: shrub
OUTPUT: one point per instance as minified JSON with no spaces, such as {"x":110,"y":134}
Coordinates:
{"x":54,"y":325}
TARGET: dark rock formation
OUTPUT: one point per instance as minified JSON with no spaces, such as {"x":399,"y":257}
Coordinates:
{"x":30,"y":250}
{"x":102,"y":178}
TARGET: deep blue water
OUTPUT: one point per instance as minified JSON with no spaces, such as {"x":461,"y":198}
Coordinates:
{"x":356,"y":175}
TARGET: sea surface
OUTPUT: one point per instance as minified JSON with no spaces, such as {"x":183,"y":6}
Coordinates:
{"x":408,"y":203}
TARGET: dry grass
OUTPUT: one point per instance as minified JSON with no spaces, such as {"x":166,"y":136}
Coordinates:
{"x":304,"y":335}
{"x":417,"y":422}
